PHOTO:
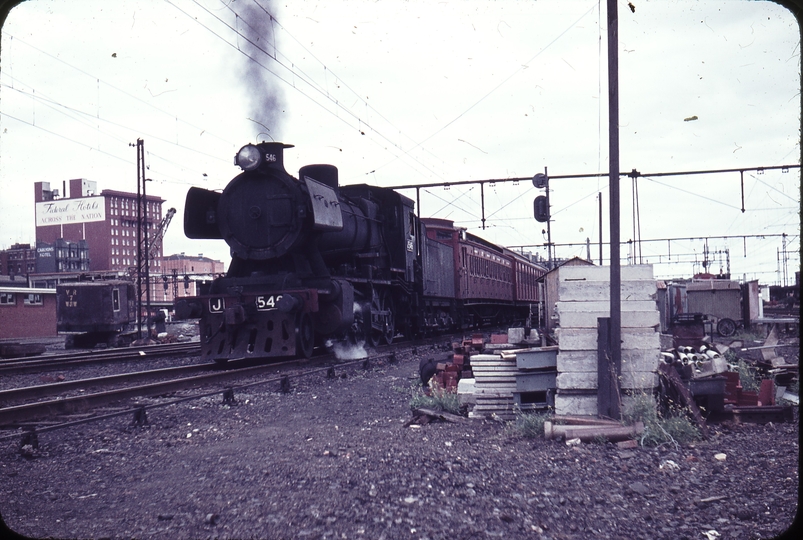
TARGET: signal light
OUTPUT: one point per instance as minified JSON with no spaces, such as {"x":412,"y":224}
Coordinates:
{"x":541,"y":209}
{"x":541,"y":180}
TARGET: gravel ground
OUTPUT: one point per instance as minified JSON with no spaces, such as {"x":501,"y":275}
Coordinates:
{"x":333,"y":459}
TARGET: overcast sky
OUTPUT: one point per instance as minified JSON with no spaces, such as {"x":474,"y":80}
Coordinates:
{"x":412,"y":92}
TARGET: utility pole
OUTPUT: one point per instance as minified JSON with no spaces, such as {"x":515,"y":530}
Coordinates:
{"x":142,"y":239}
{"x":613,"y":175}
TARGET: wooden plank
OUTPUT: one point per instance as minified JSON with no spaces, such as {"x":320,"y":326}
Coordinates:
{"x":671,"y":375}
{"x":607,"y":373}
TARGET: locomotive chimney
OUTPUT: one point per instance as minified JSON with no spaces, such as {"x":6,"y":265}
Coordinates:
{"x":325,"y":174}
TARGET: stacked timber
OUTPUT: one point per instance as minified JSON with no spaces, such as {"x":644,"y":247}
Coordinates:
{"x":583,"y":298}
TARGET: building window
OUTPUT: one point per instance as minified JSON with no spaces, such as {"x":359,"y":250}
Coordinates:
{"x":33,"y":299}
{"x":7,"y":299}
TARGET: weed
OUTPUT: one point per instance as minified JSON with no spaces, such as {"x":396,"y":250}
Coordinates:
{"x":531,"y":424}
{"x":748,"y":376}
{"x":674,"y":426}
{"x":745,"y":335}
{"x":439,"y":399}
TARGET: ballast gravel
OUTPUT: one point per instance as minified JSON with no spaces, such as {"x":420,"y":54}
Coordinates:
{"x":333,"y":459}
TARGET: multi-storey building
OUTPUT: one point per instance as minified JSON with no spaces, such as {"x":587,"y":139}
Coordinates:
{"x":106,"y":222}
{"x":18,"y":260}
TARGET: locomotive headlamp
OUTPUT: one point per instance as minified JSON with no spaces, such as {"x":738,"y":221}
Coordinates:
{"x":248,"y":158}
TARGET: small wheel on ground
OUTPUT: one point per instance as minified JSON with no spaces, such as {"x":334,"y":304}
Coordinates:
{"x":726,"y":327}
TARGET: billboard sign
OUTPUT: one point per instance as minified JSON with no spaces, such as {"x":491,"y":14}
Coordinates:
{"x":66,"y":211}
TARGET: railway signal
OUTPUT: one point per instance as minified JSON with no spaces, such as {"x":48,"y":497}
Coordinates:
{"x":541,"y":209}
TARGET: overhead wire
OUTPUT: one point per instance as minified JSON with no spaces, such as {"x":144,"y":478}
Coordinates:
{"x":124,"y":92}
{"x":314,"y":86}
{"x":57,"y":106}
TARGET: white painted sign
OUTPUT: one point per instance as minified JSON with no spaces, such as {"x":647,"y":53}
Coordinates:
{"x":65,"y":211}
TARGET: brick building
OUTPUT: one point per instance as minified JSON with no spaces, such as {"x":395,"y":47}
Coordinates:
{"x":106,"y":222}
{"x":176,"y":267}
{"x":27,"y":312}
{"x":18,"y":260}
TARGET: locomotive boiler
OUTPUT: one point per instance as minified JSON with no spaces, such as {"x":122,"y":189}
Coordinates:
{"x":310,"y":260}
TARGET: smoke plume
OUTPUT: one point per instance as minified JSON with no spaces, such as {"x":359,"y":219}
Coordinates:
{"x":258,"y":41}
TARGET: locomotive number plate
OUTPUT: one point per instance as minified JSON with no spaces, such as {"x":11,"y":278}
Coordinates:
{"x":267,"y":303}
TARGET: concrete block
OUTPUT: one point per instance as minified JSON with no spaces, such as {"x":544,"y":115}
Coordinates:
{"x":630,"y":319}
{"x":577,"y":361}
{"x":632,"y":360}
{"x":577,"y":380}
{"x":603,"y":273}
{"x":576,"y":405}
{"x":588,"y":380}
{"x":604,"y":305}
{"x":585,"y":339}
{"x":600,"y":291}
{"x":515,"y":335}
{"x":640,"y":360}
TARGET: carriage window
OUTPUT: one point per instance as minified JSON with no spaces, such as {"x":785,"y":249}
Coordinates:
{"x":7,"y":299}
{"x":116,"y":299}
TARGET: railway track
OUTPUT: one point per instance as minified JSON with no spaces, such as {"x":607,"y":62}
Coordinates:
{"x":30,"y":410}
{"x":12,"y":415}
{"x":70,"y":398}
{"x":42,"y":363}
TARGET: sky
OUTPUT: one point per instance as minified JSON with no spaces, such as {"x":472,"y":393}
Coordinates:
{"x":418,"y":92}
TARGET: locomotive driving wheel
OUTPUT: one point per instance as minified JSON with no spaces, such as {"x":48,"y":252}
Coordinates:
{"x":390,"y":326}
{"x":305,"y":335}
{"x":382,"y":303}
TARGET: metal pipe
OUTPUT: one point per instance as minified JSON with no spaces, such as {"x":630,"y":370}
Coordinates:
{"x":590,"y":432}
{"x":584,"y":420}
{"x":611,"y":433}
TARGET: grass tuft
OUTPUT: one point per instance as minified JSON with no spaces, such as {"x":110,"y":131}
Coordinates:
{"x":439,"y":399}
{"x":674,"y":427}
{"x":531,"y":424}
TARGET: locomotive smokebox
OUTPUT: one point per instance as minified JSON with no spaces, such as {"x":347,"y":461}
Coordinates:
{"x":262,"y":212}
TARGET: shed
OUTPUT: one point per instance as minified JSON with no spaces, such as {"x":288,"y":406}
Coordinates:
{"x":717,"y":298}
{"x":551,"y":286}
{"x":27,"y":312}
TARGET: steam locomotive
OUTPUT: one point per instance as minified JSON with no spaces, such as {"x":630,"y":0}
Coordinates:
{"x":313,"y":261}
